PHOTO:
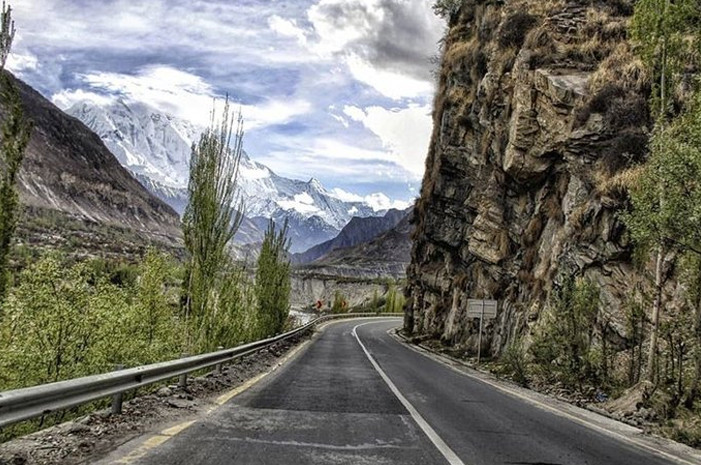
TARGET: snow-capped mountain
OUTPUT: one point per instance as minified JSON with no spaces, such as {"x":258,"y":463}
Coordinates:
{"x":156,"y":148}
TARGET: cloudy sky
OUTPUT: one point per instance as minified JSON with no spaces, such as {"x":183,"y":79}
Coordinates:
{"x":336,"y":89}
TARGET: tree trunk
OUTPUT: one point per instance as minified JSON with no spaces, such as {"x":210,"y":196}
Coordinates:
{"x":696,"y":379}
{"x":652,"y":356}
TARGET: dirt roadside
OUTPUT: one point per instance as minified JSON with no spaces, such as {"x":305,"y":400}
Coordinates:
{"x":92,"y":437}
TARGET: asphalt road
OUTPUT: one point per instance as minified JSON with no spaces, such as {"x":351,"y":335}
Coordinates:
{"x":333,"y":405}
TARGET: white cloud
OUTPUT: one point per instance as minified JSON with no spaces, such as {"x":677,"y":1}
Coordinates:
{"x":67,"y":98}
{"x":179,"y":93}
{"x":389,"y":83}
{"x":287,"y":28}
{"x":337,"y":150}
{"x":335,"y":35}
{"x":377,"y":201}
{"x":385,"y":44}
{"x":406,"y":132}
{"x":19,"y":62}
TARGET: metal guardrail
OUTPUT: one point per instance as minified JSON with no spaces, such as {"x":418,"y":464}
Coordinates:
{"x":24,"y":404}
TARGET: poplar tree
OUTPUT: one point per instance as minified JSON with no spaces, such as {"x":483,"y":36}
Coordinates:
{"x":272,"y":286}
{"x":15,"y":130}
{"x":212,"y":216}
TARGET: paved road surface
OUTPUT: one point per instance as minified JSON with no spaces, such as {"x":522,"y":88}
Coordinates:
{"x":331,"y":405}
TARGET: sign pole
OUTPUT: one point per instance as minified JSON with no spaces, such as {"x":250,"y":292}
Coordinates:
{"x":479,"y":343}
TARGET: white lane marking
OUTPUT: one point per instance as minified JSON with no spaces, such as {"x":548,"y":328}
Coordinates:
{"x":633,"y":441}
{"x":440,"y":444}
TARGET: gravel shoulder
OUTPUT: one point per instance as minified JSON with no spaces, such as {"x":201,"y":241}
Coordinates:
{"x":90,"y":438}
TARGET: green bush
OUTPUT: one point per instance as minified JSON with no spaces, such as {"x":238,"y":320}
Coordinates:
{"x":562,"y":348}
{"x":68,"y":321}
{"x":514,"y":363}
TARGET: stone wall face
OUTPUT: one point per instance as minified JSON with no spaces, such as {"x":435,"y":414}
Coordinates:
{"x":540,"y":110}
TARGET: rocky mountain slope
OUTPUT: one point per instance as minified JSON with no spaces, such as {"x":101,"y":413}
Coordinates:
{"x":541,"y":106}
{"x":69,"y":171}
{"x":387,"y":255}
{"x":156,"y":147}
{"x":357,"y":231}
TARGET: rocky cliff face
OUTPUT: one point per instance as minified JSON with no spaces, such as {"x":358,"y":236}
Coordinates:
{"x":540,"y":110}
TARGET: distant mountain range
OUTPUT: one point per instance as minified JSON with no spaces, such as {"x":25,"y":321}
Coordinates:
{"x":357,"y":231}
{"x":156,"y":148}
{"x":386,"y":254}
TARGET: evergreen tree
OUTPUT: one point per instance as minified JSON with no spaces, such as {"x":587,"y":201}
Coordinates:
{"x":272,"y":286}
{"x":15,"y":130}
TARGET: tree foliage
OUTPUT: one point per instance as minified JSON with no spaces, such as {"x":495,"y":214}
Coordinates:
{"x":272,"y":286}
{"x":563,"y":346}
{"x":15,"y":130}
{"x":447,"y":8}
{"x":67,"y":321}
{"x":395,"y":300}
{"x":211,"y":219}
{"x":666,"y":34}
{"x":673,"y":168}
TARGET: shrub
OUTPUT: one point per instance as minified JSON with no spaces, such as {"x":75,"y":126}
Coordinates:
{"x":515,"y":363}
{"x":562,"y":348}
{"x":446,"y":9}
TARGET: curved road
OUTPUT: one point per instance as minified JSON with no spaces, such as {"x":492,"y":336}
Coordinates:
{"x":368,"y":399}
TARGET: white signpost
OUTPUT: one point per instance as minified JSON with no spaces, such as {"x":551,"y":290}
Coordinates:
{"x":479,"y":308}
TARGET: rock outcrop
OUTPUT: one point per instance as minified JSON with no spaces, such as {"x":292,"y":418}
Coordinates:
{"x":541,"y":107}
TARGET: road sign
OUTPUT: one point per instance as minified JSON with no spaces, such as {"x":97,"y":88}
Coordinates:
{"x":478,"y":308}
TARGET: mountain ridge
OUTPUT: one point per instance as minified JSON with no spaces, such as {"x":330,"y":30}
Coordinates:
{"x":156,"y":148}
{"x":67,"y":168}
{"x":357,"y":231}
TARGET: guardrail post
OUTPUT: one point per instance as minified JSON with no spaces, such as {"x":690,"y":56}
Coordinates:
{"x":183,"y":378}
{"x":218,"y":369}
{"x":117,"y":398}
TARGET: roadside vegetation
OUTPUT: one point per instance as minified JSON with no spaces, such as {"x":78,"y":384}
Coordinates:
{"x":64,"y":316}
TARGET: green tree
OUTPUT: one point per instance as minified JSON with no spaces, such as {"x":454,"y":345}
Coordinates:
{"x":16,"y":130}
{"x":272,"y":286}
{"x":562,"y":344}
{"x":155,"y":325}
{"x":666,"y":35}
{"x":211,"y":219}
{"x":666,"y":202}
{"x":395,"y":300}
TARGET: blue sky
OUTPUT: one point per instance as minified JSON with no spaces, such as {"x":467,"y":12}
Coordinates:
{"x":340,"y":90}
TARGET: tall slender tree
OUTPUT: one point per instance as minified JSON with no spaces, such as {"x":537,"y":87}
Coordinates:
{"x":15,"y":130}
{"x":273,"y":281}
{"x":665,"y":34}
{"x":213,"y":214}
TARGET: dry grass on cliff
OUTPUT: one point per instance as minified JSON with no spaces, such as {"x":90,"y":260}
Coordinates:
{"x":624,"y":68}
{"x":618,"y":185}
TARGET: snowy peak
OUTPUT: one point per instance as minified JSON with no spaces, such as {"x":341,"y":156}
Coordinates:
{"x":144,"y":140}
{"x":156,"y":147}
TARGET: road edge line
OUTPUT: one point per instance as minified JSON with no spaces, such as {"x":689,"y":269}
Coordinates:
{"x":437,"y":441}
{"x":638,"y":442}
